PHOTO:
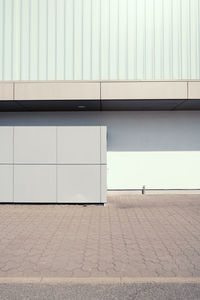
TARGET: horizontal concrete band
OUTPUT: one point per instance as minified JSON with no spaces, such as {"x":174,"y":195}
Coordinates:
{"x":98,"y":280}
{"x":99,"y":90}
{"x":99,"y":95}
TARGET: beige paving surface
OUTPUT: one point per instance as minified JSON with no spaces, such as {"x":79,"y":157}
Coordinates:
{"x":133,"y":236}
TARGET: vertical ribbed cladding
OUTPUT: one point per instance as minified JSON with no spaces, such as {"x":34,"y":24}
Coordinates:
{"x":99,"y":39}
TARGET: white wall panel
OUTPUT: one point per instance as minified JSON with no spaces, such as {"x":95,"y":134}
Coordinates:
{"x":38,"y":167}
{"x":85,"y":139}
{"x":99,"y":39}
{"x":34,"y":183}
{"x":6,"y":144}
{"x":35,"y":145}
{"x":103,"y":144}
{"x":78,"y":183}
{"x":6,"y":183}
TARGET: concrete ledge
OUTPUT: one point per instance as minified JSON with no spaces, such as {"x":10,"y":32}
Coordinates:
{"x":99,"y":95}
{"x":57,"y":91}
{"x":194,"y":90}
{"x":144,"y":90}
{"x":6,"y":91}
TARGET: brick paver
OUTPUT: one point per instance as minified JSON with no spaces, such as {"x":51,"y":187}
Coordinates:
{"x":136,"y":236}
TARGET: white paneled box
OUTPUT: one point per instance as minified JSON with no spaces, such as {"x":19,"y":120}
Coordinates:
{"x":6,"y":144}
{"x":35,"y":183}
{"x":35,"y":145}
{"x":6,"y":183}
{"x":79,"y":183}
{"x":49,"y":164}
{"x":79,"y":145}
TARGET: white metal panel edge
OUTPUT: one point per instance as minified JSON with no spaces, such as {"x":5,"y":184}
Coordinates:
{"x":6,"y":144}
{"x":103,"y":183}
{"x":6,"y":183}
{"x":103,"y":133}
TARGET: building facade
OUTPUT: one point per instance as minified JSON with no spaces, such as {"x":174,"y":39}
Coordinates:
{"x":130,"y":65}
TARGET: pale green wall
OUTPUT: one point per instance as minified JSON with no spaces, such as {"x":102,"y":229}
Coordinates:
{"x":99,"y":39}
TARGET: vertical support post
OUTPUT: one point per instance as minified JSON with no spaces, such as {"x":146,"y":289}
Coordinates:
{"x":143,"y":190}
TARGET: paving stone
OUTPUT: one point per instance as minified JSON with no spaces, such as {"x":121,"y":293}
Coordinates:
{"x":134,"y":235}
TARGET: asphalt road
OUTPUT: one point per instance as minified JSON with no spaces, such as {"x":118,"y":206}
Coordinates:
{"x":144,"y":291}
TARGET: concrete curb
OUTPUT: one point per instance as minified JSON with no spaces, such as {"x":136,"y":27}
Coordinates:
{"x":97,"y":280}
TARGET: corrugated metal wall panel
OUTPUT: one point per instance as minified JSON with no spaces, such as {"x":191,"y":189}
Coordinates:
{"x":99,"y":39}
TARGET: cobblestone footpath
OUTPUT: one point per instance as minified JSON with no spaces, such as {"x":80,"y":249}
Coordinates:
{"x":133,"y":236}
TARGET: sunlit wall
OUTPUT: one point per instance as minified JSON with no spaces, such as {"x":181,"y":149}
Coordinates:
{"x":99,"y":39}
